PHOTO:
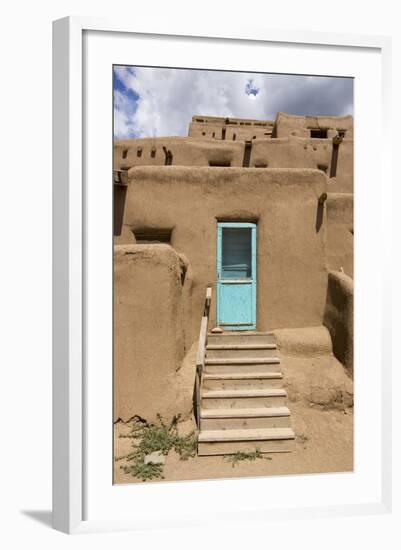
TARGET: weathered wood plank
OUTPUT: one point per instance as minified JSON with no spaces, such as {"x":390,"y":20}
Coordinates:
{"x":200,"y":356}
{"x":236,"y":347}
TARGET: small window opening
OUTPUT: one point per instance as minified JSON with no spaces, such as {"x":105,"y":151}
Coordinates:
{"x":203,"y":133}
{"x":223,"y":133}
{"x":124,"y":153}
{"x":139,"y":152}
{"x":318,"y":133}
{"x":153,"y":152}
{"x":223,"y":163}
{"x":214,"y":134}
{"x":234,"y":137}
{"x":152,"y":235}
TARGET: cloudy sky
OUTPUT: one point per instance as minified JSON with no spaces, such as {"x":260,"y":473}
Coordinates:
{"x":161,"y":102}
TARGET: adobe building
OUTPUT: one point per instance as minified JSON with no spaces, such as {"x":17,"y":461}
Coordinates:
{"x":259,"y":211}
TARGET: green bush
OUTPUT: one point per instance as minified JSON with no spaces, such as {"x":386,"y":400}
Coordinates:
{"x":148,"y":438}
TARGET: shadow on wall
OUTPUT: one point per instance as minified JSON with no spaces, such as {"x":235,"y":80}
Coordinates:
{"x":339,"y":317}
{"x":320,"y":211}
{"x":119,"y":193}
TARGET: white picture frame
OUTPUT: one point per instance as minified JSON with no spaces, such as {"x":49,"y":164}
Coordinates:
{"x":71,"y":257}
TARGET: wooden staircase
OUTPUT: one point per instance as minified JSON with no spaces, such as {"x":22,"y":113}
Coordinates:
{"x":241,"y":404}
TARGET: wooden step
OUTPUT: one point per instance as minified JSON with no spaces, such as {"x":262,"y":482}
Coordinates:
{"x":241,"y":353}
{"x":241,"y":338}
{"x":217,"y":442}
{"x":239,"y":346}
{"x":228,"y":333}
{"x":261,"y":368}
{"x":232,"y":447}
{"x":242,"y":361}
{"x":246,"y":380}
{"x":242,"y":398}
{"x":243,"y":376}
{"x":246,"y":435}
{"x":231,"y":419}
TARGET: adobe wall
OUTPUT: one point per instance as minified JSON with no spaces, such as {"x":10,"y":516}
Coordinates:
{"x":273,"y":153}
{"x":293,"y":152}
{"x":300,"y":126}
{"x":185,"y":151}
{"x":150,"y":304}
{"x":220,"y":128}
{"x":292,"y":276}
{"x":340,"y":232}
{"x":232,"y":132}
{"x":224,"y":121}
{"x":339,"y":317}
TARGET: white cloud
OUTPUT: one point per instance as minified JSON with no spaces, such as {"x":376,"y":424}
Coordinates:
{"x":124,"y":123}
{"x":168,"y":98}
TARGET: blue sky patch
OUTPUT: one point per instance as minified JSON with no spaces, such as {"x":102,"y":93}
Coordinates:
{"x":251,"y":89}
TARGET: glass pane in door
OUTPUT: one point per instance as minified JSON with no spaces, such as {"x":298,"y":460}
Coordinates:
{"x":236,"y":261}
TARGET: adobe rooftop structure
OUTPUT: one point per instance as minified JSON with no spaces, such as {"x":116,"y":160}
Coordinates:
{"x":246,"y":225}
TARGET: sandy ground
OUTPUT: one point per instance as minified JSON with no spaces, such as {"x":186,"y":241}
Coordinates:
{"x":320,"y":400}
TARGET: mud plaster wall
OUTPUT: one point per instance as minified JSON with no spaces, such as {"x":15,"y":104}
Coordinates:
{"x":292,"y":276}
{"x":340,"y":232}
{"x":149,"y":343}
{"x":295,"y":152}
{"x":185,"y":151}
{"x":293,"y":125}
{"x":339,"y":316}
{"x":229,"y":132}
{"x":288,"y":152}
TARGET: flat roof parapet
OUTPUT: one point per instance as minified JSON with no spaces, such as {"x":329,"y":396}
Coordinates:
{"x":224,"y":121}
{"x":317,"y":120}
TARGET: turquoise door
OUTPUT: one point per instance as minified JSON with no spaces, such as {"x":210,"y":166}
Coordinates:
{"x":236,"y":276}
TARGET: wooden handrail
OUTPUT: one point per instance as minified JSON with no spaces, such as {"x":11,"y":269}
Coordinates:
{"x":200,"y":356}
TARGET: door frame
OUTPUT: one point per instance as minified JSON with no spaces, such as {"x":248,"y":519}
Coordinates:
{"x":253,"y":283}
